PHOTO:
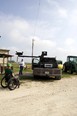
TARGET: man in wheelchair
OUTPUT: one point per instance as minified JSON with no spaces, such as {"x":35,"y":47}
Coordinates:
{"x":9,"y":80}
{"x":8,"y":72}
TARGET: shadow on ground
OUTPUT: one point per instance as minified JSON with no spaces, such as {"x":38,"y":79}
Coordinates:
{"x":29,"y":76}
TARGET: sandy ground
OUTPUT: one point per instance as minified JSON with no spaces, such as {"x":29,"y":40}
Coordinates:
{"x":41,"y":98}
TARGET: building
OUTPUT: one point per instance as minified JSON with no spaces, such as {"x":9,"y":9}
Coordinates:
{"x":4,"y":56}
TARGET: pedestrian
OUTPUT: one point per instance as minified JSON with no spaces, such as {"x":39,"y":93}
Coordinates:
{"x":21,"y":66}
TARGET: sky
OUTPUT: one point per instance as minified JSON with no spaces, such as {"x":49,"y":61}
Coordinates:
{"x":52,"y":24}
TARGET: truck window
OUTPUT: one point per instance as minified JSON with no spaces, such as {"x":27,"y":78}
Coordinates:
{"x":71,"y":59}
{"x":36,"y":61}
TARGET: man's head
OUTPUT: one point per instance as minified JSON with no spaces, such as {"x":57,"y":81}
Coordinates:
{"x":9,"y":65}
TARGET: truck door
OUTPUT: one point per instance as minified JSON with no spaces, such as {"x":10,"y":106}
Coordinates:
{"x":35,"y":63}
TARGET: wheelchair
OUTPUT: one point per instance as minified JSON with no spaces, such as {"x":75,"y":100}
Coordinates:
{"x":10,"y":82}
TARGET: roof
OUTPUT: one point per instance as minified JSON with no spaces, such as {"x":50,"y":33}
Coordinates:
{"x":4,"y":50}
{"x":5,"y":55}
{"x":72,"y":56}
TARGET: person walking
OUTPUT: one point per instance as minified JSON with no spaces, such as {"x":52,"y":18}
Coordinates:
{"x":21,"y":66}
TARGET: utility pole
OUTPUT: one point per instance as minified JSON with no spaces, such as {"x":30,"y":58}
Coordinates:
{"x":32,"y":46}
{"x":0,"y":36}
{"x":32,"y":49}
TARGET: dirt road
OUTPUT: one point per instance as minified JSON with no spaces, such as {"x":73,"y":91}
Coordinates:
{"x":41,"y":98}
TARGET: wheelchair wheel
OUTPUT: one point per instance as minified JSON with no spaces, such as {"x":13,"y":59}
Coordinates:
{"x":12,"y":84}
{"x":4,"y":83}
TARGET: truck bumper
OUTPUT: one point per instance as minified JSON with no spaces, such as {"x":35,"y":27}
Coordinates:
{"x":47,"y":72}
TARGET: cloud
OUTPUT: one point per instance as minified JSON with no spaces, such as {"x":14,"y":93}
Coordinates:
{"x":53,"y":3}
{"x":49,"y":36}
{"x":69,"y":41}
{"x":62,"y":13}
{"x":42,"y":45}
{"x":58,"y":10}
{"x":45,"y":43}
{"x":15,"y":28}
{"x":19,"y":35}
{"x":73,"y":17}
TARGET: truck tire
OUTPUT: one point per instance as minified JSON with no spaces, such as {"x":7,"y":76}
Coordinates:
{"x":71,"y":71}
{"x":36,"y":77}
{"x":64,"y":69}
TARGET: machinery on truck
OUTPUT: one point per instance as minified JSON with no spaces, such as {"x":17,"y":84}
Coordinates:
{"x":45,"y":66}
{"x":70,"y":65}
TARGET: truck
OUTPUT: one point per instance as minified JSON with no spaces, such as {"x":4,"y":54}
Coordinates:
{"x":70,"y":65}
{"x":46,"y":66}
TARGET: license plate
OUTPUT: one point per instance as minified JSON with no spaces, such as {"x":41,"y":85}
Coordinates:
{"x":49,"y":65}
{"x":46,"y":72}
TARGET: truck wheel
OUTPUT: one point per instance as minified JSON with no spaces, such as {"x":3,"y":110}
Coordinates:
{"x":36,"y":77}
{"x":64,"y":69}
{"x":57,"y":77}
{"x":71,"y":71}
